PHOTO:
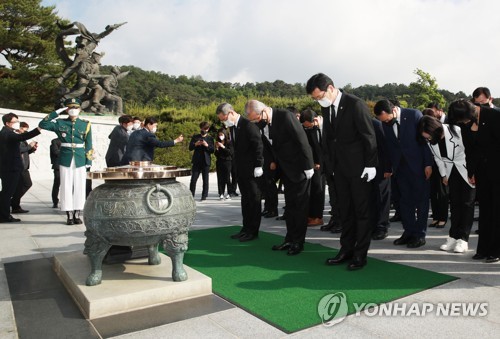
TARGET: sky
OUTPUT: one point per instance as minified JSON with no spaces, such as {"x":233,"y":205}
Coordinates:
{"x":355,"y":42}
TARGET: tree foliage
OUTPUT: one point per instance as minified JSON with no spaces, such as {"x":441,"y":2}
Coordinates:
{"x":27,"y":34}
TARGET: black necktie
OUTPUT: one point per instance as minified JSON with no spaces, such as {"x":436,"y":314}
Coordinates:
{"x":333,"y":116}
{"x":233,"y":134}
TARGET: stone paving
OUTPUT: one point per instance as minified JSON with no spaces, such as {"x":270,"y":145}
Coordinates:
{"x":43,"y":233}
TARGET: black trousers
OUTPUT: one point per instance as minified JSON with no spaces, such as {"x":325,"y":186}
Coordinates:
{"x":332,"y":192}
{"x":488,"y":186}
{"x":462,"y":198}
{"x":354,"y":199}
{"x":317,"y":196}
{"x":223,"y":168}
{"x":23,"y":185}
{"x":270,"y":191}
{"x":234,"y":178}
{"x":250,"y":204}
{"x":439,"y":196}
{"x":297,"y":207}
{"x":9,"y":185}
{"x":195,"y":173}
{"x":55,"y":186}
{"x":381,"y":195}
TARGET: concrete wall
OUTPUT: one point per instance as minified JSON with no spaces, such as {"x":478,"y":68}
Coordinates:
{"x":40,"y":160}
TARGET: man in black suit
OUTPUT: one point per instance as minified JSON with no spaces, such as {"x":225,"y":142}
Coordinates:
{"x":25,"y":182}
{"x":294,"y":158}
{"x":249,"y":160}
{"x":350,"y":149}
{"x":11,"y":164}
{"x":485,"y":175}
{"x":203,"y":146}
{"x":55,"y":150}
{"x":118,"y":139}
{"x":381,"y":186}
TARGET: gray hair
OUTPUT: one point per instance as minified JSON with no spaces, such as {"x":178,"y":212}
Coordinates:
{"x":254,"y":106}
{"x":224,"y":109}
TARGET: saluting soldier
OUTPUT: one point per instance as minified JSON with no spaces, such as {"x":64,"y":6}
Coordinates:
{"x":76,"y":154}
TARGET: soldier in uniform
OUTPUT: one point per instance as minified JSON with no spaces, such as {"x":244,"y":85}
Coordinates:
{"x":75,"y":155}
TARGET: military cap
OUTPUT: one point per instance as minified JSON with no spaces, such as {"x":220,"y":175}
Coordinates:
{"x":72,"y":102}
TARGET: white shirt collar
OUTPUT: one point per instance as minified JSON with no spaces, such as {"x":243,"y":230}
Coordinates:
{"x":336,"y":103}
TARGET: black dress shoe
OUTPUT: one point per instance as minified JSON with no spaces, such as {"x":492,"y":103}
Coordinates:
{"x":264,"y":212}
{"x":295,"y":249}
{"x":336,"y":229}
{"x":238,"y":235}
{"x":356,"y":264}
{"x":10,"y":219}
{"x":441,"y":225}
{"x":403,"y":240}
{"x":282,"y":247}
{"x":433,"y":224}
{"x":271,"y":214}
{"x":328,"y":226}
{"x":70,"y":221}
{"x":478,"y":256}
{"x":340,"y":258}
{"x":54,"y":205}
{"x":77,"y":221}
{"x":395,"y":218}
{"x":19,"y":210}
{"x":415,"y":243}
{"x":379,"y":234}
{"x":281,"y":218}
{"x":492,"y":259}
{"x":248,"y":237}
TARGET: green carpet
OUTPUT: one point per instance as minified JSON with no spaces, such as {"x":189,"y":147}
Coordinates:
{"x":285,"y":290}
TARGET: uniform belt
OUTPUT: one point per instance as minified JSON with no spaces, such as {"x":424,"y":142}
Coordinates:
{"x":72,"y":145}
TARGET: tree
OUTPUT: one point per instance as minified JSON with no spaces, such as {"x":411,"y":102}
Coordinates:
{"x":27,"y":44}
{"x":424,"y":91}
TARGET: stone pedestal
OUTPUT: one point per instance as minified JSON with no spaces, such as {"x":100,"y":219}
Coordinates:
{"x":128,"y":286}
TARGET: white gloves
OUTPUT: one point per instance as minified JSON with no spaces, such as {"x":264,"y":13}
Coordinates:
{"x":309,"y":173}
{"x":370,"y":171}
{"x":61,"y":110}
{"x":257,"y":172}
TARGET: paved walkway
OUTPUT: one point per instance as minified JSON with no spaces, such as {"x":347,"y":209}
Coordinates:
{"x":42,"y":233}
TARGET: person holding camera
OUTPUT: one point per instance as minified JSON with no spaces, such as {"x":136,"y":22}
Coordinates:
{"x":203,"y":146}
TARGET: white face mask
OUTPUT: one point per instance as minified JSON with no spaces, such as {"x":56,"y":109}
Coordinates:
{"x":221,"y":137}
{"x":16,"y":125}
{"x":153,"y":130}
{"x":136,"y":125}
{"x":228,"y":123}
{"x":73,"y":112}
{"x":325,"y":102}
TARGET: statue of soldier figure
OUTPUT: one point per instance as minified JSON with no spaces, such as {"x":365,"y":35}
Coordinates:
{"x":92,"y":87}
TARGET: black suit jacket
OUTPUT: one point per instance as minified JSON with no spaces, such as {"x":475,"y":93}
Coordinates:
{"x":118,"y":139}
{"x":248,"y":148}
{"x":10,"y":153}
{"x":290,"y":145}
{"x":201,"y":154}
{"x":487,"y":144}
{"x":55,"y":150}
{"x":384,"y":161}
{"x":350,"y":144}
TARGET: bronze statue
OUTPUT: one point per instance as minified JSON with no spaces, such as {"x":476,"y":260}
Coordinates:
{"x":97,"y":92}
